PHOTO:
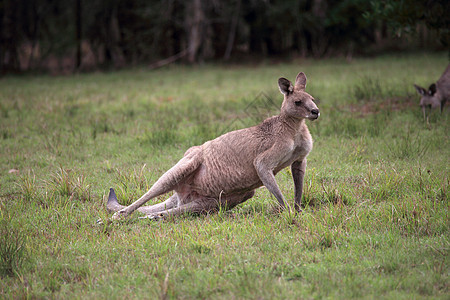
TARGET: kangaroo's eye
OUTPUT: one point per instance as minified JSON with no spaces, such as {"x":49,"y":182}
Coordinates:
{"x":298,"y":103}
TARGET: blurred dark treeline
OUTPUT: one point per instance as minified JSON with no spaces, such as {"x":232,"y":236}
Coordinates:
{"x":88,"y":34}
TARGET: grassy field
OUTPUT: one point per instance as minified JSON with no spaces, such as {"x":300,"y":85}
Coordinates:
{"x":375,"y":223}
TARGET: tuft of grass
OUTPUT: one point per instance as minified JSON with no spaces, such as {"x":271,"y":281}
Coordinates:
{"x":132,"y":184}
{"x":65,"y":182}
{"x":28,"y":186}
{"x":311,"y":190}
{"x":408,"y":145}
{"x":368,"y":89}
{"x":62,"y":182}
{"x":60,"y":275}
{"x":383,"y":183}
{"x":13,"y":251}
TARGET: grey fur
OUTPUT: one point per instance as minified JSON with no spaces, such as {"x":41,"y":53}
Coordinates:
{"x":437,"y":94}
{"x":224,"y":172}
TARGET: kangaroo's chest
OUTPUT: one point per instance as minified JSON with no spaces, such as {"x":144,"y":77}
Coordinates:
{"x":299,"y":150}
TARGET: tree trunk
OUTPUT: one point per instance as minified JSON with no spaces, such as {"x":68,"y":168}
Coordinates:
{"x":9,"y":57}
{"x":319,"y":40}
{"x":194,"y":20}
{"x":113,"y":52}
{"x":232,"y":34}
{"x":78,"y":33}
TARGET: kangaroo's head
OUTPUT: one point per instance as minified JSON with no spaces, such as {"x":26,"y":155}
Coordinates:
{"x":297,"y":103}
{"x":428,"y":97}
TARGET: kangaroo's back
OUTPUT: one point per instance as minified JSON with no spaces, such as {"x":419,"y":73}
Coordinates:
{"x":228,"y":161}
{"x":443,"y":85}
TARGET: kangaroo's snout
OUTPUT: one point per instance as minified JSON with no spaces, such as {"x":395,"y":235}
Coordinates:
{"x":315,"y":113}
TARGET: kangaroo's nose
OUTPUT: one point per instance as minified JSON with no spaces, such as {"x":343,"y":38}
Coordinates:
{"x":315,"y":112}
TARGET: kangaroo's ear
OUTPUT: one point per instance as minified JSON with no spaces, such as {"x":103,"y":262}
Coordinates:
{"x":300,"y":81}
{"x":432,"y":89}
{"x":420,"y":90}
{"x":285,"y":86}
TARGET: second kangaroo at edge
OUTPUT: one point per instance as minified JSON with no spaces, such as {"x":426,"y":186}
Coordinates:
{"x":437,"y":94}
{"x":224,"y":172}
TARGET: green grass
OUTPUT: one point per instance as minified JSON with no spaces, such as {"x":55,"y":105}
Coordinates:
{"x":375,"y":223}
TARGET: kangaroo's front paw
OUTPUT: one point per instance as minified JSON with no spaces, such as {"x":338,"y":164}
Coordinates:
{"x":298,"y":208}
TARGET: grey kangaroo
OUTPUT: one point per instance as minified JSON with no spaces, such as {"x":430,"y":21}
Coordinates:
{"x":438,"y":93}
{"x":226,"y":171}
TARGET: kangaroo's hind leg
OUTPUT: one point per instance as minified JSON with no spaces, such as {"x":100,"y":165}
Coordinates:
{"x":196,"y":206}
{"x":203,"y":204}
{"x":113,"y":204}
{"x":168,"y":181}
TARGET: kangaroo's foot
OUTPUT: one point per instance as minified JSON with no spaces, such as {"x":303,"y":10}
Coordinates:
{"x":120,"y":215}
{"x":166,"y":183}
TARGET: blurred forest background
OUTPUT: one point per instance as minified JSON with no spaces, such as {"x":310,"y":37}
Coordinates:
{"x":67,"y":36}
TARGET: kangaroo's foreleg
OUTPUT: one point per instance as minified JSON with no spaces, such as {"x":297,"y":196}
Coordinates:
{"x":169,"y":180}
{"x":264,"y":166}
{"x":298,"y":169}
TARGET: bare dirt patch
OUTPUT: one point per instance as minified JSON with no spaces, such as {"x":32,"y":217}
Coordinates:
{"x":394,"y":104}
